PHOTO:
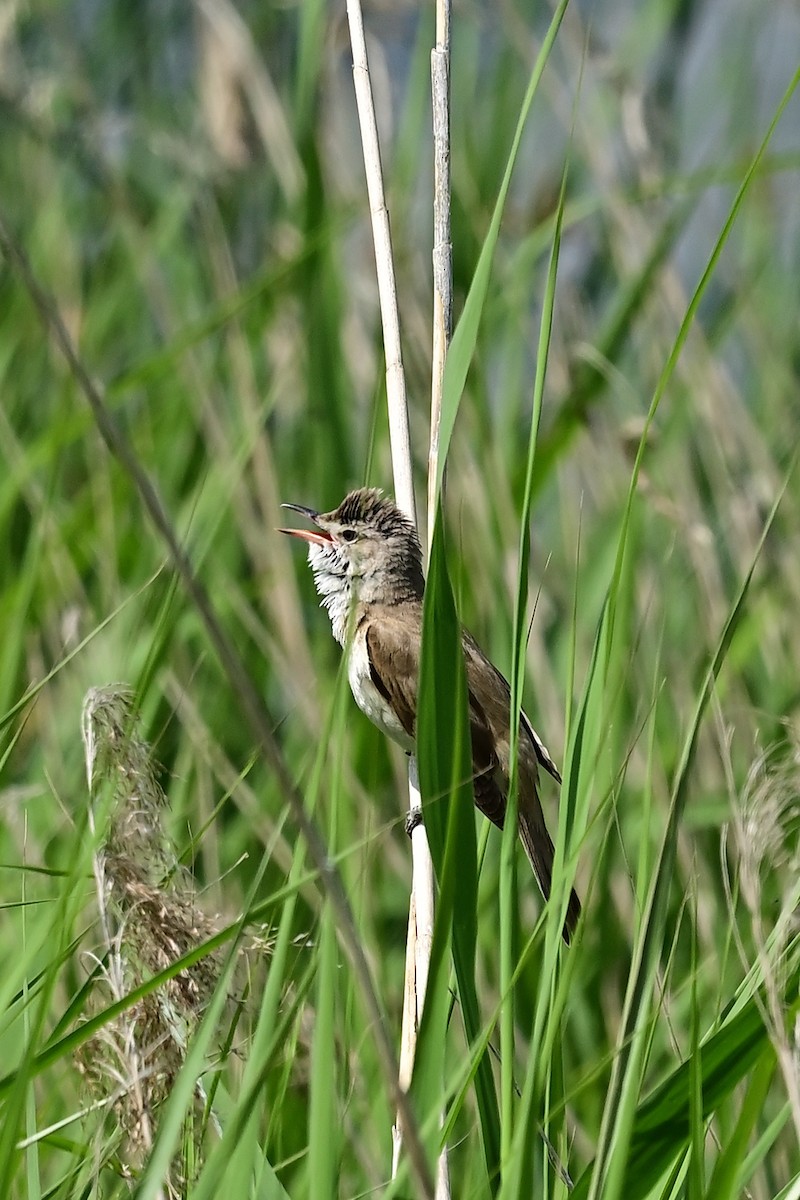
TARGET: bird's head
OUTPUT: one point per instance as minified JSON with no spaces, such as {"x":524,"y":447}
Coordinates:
{"x":366,"y":549}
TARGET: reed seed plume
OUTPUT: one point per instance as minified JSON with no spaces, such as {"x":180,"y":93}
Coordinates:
{"x":148,"y":918}
{"x":766,"y":826}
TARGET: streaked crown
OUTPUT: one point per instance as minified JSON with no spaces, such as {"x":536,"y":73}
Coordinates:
{"x":365,"y":550}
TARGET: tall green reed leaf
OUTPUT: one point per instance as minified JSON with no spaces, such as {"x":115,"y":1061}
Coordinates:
{"x":32,"y":1171}
{"x":697,"y":1132}
{"x":445,"y":770}
{"x":324,"y":1119}
{"x":55,"y":930}
{"x":518,"y":1135}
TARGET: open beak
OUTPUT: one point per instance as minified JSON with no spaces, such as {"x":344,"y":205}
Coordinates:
{"x":318,"y":536}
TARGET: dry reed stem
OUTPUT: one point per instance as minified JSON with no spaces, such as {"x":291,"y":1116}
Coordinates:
{"x":421,"y":907}
{"x":442,"y":321}
{"x":442,"y":244}
{"x":384,"y":267}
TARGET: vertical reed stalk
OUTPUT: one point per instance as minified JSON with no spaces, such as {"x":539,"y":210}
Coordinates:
{"x":442,"y":244}
{"x":421,"y":906}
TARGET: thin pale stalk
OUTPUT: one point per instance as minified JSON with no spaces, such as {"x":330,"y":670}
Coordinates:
{"x":384,"y":266}
{"x":418,"y":957}
{"x":442,"y":310}
{"x":421,"y":908}
{"x":442,"y":244}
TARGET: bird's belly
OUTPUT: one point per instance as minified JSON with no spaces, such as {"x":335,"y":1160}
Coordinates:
{"x":370,"y":700}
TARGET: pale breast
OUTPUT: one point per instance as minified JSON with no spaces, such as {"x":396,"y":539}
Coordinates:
{"x":369,"y":699}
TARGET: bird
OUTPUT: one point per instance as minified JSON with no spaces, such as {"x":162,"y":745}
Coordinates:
{"x":366,"y":561}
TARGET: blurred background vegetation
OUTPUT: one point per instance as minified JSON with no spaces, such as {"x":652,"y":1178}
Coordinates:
{"x":187,"y":181}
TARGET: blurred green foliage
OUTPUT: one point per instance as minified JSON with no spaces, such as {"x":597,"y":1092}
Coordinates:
{"x":187,"y":182}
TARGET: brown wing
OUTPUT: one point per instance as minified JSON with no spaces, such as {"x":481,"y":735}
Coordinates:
{"x":487,"y":780}
{"x":393,"y":653}
{"x":494,"y":695}
{"x":393,"y":650}
{"x":490,"y":693}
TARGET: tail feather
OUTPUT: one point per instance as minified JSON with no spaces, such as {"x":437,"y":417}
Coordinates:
{"x":541,"y":852}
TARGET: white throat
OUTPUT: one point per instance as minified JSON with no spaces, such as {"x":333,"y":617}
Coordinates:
{"x":335,"y":586}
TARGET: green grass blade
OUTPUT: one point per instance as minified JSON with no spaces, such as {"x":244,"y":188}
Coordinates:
{"x":58,"y":925}
{"x":762,"y":1147}
{"x":180,"y":1100}
{"x":791,"y":1191}
{"x":323,"y":1117}
{"x":518,"y":1143}
{"x":662,"y":1124}
{"x":697,"y":1132}
{"x":726,"y":1180}
{"x":324,"y":1121}
{"x":238,"y":1156}
{"x":610,"y":1168}
{"x":445,"y":770}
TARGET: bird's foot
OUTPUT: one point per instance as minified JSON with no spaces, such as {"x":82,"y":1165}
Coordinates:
{"x":413,"y":819}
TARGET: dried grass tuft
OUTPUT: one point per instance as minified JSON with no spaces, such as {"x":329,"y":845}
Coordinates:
{"x":766,"y":825}
{"x":148,"y":918}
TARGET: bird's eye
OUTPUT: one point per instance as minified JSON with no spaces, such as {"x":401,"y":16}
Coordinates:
{"x":349,"y":535}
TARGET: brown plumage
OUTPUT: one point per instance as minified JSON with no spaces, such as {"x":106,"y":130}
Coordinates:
{"x":366,"y":560}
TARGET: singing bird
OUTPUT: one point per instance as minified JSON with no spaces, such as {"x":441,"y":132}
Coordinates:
{"x":367,"y":565}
